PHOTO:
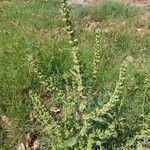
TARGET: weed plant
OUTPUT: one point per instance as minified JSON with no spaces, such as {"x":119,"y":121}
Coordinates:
{"x":81,"y":123}
{"x":67,"y":91}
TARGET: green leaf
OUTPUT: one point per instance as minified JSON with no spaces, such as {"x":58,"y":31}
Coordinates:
{"x":71,"y":142}
{"x":73,"y":73}
{"x":99,"y":119}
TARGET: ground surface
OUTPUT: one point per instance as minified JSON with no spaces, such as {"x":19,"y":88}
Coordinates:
{"x":132,"y":2}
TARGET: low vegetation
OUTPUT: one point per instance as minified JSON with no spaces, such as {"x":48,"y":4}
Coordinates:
{"x":74,"y":77}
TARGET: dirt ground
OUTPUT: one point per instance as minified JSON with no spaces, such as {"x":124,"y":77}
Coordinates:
{"x":137,"y":2}
{"x":86,"y":2}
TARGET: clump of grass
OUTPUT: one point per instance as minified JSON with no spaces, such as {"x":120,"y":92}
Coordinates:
{"x":106,"y":10}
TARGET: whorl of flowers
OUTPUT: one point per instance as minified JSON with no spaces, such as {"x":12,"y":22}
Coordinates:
{"x":96,"y":53}
{"x":117,"y":93}
{"x":74,"y":43}
{"x":42,"y":113}
{"x":115,"y":97}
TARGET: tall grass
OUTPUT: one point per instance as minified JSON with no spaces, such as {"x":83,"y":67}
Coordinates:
{"x":106,"y":10}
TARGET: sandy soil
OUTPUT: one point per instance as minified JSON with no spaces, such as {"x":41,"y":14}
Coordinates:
{"x":86,"y":2}
{"x":83,"y":2}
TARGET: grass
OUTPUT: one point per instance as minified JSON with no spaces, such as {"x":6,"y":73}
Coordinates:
{"x":109,"y":9}
{"x":36,"y":27}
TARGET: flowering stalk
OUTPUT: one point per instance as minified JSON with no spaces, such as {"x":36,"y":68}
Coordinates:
{"x":117,"y":93}
{"x":42,"y":113}
{"x":115,"y":97}
{"x":73,"y":41}
{"x":96,"y":53}
{"x":48,"y":84}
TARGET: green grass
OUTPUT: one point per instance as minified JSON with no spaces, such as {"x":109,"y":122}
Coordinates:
{"x":36,"y":27}
{"x":109,"y":9}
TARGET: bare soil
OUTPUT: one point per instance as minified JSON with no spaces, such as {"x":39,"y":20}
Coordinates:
{"x":84,"y":2}
{"x":87,"y":2}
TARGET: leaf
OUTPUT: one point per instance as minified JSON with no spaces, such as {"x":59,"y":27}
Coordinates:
{"x":35,"y":145}
{"x":32,"y":141}
{"x":7,"y":125}
{"x":71,"y":142}
{"x":21,"y":146}
{"x":73,"y":73}
{"x":99,"y":119}
{"x":6,"y":121}
{"x":55,"y":110}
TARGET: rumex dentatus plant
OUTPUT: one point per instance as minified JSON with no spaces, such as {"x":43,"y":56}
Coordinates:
{"x":79,"y":126}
